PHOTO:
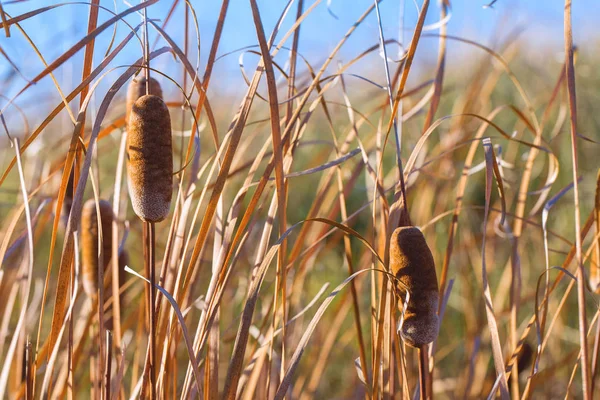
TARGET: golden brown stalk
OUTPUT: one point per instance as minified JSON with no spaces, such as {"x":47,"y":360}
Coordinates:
{"x":412,"y":263}
{"x":425,"y":384}
{"x":149,"y":151}
{"x":595,"y":266}
{"x":137,"y":89}
{"x":107,"y":366}
{"x":149,"y":247}
{"x":89,"y":242}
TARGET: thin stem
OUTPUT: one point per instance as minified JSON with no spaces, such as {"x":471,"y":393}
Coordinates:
{"x":570,"y":71}
{"x":153,"y":300}
{"x":28,"y":379}
{"x":70,"y":352}
{"x":107,"y":367}
{"x":424,"y":379}
{"x":150,"y":297}
{"x":185,"y":77}
{"x":397,"y":131}
{"x":146,"y":51}
{"x":93,"y":364}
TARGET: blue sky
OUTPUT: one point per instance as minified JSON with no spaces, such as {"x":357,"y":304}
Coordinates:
{"x":57,"y":30}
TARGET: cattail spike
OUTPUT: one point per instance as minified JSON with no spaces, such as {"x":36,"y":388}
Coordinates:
{"x":149,"y":151}
{"x":412,"y":263}
{"x":89,"y":242}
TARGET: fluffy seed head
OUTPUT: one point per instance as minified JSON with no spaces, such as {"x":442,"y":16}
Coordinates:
{"x":137,"y":89}
{"x":150,"y":158}
{"x":412,"y":263}
{"x":89,"y":242}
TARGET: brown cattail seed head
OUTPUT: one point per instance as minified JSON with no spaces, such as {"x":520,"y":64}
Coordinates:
{"x":137,"y":89}
{"x":150,"y":166}
{"x":89,"y":242}
{"x":412,"y":263}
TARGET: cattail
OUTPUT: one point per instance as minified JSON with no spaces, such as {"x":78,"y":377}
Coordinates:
{"x":150,"y":166}
{"x":89,"y":242}
{"x":137,"y":89}
{"x":150,"y":181}
{"x":412,"y":263}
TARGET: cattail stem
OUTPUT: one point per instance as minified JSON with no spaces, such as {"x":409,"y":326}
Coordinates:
{"x":107,"y":367}
{"x":150,"y":175}
{"x":70,"y":381}
{"x":424,"y":378}
{"x":150,"y":299}
{"x":146,"y":51}
{"x":28,"y":378}
{"x":93,"y":364}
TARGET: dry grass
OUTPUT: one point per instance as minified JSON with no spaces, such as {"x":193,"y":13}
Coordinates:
{"x":271,"y":198}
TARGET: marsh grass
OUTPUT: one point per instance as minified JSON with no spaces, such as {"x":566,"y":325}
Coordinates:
{"x":270,"y":275}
